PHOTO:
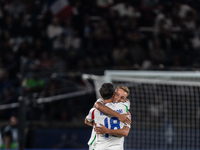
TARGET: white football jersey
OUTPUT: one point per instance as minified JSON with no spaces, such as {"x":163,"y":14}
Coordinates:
{"x":107,"y":141}
{"x":89,"y":117}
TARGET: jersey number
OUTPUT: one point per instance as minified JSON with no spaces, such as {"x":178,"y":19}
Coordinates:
{"x":114,"y":123}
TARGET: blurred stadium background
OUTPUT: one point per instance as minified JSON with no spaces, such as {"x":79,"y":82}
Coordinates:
{"x":54,"y":55}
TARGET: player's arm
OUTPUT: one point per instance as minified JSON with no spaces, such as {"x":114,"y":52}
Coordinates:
{"x":119,"y":132}
{"x":89,"y":119}
{"x":106,"y":110}
{"x":88,"y":122}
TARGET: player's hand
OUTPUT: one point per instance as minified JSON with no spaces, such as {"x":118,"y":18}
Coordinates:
{"x":101,"y":129}
{"x":123,"y":118}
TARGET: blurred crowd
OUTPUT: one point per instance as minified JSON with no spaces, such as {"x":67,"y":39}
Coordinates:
{"x":114,"y":34}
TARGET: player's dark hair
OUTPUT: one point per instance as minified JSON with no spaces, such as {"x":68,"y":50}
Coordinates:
{"x":107,"y":90}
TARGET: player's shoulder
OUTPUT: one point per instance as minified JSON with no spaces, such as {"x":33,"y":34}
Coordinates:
{"x":127,"y":104}
{"x":127,"y":101}
{"x":100,"y":100}
{"x":122,"y":105}
{"x":92,"y":109}
{"x":111,"y":105}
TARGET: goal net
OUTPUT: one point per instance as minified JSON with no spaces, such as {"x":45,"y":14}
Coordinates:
{"x":165,"y":108}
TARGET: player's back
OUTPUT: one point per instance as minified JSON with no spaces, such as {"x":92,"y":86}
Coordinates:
{"x":107,"y":141}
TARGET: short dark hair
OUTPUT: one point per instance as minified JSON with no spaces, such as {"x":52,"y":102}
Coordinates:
{"x":107,"y":90}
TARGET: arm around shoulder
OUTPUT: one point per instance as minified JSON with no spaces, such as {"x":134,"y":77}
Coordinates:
{"x":106,"y":110}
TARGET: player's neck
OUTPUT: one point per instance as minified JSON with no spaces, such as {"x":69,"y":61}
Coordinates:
{"x":108,"y":100}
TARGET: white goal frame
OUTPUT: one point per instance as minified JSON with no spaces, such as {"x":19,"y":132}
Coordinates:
{"x":155,"y":76}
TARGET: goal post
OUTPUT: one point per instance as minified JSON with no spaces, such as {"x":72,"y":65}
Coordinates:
{"x":165,"y":108}
{"x":177,"y":75}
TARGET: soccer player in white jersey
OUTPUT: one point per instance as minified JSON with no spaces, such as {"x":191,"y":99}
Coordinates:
{"x":104,"y":141}
{"x":120,"y":95}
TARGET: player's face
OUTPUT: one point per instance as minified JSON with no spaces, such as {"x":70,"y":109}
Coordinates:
{"x":120,"y":96}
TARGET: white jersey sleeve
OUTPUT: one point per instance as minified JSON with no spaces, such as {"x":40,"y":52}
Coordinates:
{"x":100,"y":100}
{"x":90,"y":117}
